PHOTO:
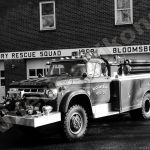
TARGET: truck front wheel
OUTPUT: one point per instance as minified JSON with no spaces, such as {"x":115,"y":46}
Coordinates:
{"x":75,"y":122}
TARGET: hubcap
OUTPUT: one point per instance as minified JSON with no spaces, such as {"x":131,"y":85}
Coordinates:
{"x":76,"y":123}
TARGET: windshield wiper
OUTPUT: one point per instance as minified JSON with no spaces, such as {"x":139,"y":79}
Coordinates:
{"x":52,"y":75}
{"x":65,"y":73}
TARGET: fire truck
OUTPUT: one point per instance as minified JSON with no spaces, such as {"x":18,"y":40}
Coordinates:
{"x":77,"y":89}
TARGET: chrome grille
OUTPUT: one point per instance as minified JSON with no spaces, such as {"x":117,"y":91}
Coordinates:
{"x":33,"y":90}
{"x":29,"y":93}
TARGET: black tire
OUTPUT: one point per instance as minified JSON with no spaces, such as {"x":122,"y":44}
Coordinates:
{"x":144,"y":111}
{"x":146,"y":107}
{"x":75,"y":123}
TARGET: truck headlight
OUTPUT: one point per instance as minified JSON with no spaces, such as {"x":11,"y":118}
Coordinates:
{"x":13,"y":90}
{"x":52,"y":93}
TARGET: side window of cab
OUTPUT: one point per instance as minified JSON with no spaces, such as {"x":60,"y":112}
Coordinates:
{"x":96,"y":69}
{"x":90,"y":69}
{"x":104,"y":69}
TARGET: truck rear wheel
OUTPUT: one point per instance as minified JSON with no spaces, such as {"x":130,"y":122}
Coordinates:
{"x":144,"y":111}
{"x":146,"y":107}
{"x":75,"y":123}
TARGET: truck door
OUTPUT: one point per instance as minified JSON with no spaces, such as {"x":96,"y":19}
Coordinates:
{"x":100,"y":82}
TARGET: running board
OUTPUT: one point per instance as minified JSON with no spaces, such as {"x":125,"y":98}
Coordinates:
{"x":103,"y":110}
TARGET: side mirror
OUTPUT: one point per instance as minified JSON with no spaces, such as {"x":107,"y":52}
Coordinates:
{"x":84,"y":75}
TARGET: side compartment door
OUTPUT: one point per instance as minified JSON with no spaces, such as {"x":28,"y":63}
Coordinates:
{"x":100,"y":84}
{"x":131,"y":94}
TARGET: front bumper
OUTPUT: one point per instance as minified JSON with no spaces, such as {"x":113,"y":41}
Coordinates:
{"x":34,"y":121}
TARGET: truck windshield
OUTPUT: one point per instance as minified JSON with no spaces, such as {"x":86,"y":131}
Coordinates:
{"x":70,"y":68}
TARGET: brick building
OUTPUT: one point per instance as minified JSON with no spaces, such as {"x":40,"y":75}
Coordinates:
{"x":34,"y":31}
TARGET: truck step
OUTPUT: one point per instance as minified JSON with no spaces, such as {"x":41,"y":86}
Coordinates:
{"x":103,"y":110}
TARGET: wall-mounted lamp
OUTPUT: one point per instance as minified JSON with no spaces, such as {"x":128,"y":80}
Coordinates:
{"x":13,"y":66}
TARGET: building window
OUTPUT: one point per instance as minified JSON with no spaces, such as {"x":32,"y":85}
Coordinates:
{"x":2,"y":73}
{"x":40,"y":72}
{"x":123,"y":12}
{"x":34,"y":73}
{"x":2,"y":82}
{"x":47,"y":15}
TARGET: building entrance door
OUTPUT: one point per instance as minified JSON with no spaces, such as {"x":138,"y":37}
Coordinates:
{"x":2,"y":81}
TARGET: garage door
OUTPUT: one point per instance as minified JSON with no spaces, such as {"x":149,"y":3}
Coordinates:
{"x":2,"y":81}
{"x":37,"y":67}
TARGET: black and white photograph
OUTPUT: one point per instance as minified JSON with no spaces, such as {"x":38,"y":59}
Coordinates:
{"x":74,"y":75}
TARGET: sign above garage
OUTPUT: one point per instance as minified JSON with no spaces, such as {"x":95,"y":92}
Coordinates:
{"x":119,"y":50}
{"x":43,"y":53}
